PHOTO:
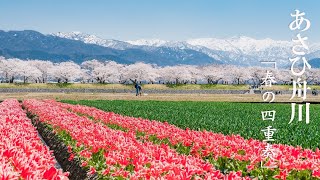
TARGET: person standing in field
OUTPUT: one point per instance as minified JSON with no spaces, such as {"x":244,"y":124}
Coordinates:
{"x":137,"y":87}
{"x":140,"y":89}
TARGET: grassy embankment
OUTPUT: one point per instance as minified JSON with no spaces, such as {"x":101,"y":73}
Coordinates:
{"x":145,"y":86}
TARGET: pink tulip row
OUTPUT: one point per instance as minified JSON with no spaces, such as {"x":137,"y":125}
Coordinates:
{"x":204,"y":143}
{"x":122,"y":148}
{"x":22,"y":153}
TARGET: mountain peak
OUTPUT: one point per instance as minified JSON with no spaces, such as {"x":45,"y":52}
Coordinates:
{"x":93,"y":39}
{"x":238,"y":50}
{"x":75,"y":35}
{"x":148,"y":42}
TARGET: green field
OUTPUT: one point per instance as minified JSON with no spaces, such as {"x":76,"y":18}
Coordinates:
{"x":228,"y":118}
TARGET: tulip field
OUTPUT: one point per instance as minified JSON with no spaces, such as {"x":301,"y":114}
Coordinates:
{"x":151,"y":140}
{"x":223,"y":117}
{"x":23,"y":155}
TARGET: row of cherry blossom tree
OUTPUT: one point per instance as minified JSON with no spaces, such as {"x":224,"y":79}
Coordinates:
{"x":94,"y":71}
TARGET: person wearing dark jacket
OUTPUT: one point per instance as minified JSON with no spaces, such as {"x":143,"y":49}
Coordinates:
{"x":140,"y":89}
{"x":137,"y":86}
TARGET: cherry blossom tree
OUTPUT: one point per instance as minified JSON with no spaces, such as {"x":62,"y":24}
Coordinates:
{"x":282,"y":76}
{"x":312,"y":76}
{"x":89,"y":66}
{"x":26,"y":71}
{"x":104,"y":72}
{"x":7,"y":69}
{"x":13,"y":70}
{"x":140,"y":72}
{"x":66,"y":72}
{"x":239,"y":74}
{"x":195,"y":73}
{"x":43,"y":67}
{"x":257,"y":73}
{"x":109,"y":72}
{"x":175,"y":74}
{"x":212,"y":73}
{"x":92,"y":64}
{"x":226,"y":76}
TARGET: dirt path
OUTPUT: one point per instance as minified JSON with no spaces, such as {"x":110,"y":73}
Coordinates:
{"x":160,"y":97}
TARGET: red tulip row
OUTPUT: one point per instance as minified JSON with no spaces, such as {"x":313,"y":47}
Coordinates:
{"x":204,"y":143}
{"x":22,"y":153}
{"x":122,"y":150}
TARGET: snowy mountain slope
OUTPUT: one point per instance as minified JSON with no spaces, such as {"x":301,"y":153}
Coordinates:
{"x":79,"y":47}
{"x":93,"y":39}
{"x":148,"y":42}
{"x":241,"y":44}
{"x":239,"y":50}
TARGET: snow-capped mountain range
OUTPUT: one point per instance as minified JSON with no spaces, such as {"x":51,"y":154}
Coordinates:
{"x":92,"y":39}
{"x":79,"y":47}
{"x":240,"y":50}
